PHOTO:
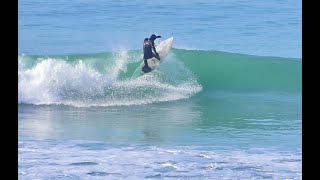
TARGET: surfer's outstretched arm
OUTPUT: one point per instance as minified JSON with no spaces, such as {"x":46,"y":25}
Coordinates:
{"x":156,"y":55}
{"x":154,"y":48}
{"x":152,"y":38}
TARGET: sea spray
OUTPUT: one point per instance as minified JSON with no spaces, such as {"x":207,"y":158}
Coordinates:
{"x":76,"y":81}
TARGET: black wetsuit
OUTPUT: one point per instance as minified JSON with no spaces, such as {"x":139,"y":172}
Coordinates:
{"x":147,"y":50}
{"x":148,"y":46}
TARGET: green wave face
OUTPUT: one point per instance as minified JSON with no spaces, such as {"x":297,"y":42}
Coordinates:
{"x":237,"y":72}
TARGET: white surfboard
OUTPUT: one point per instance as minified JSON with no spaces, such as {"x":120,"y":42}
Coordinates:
{"x":163,"y":50}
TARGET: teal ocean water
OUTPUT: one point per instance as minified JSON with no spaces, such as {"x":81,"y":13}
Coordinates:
{"x":228,"y":107}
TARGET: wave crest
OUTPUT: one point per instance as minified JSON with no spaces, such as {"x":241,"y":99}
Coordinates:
{"x":80,"y":83}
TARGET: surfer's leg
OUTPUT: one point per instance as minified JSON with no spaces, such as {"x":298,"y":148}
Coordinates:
{"x":156,"y":56}
{"x":146,"y":69}
{"x":145,"y":62}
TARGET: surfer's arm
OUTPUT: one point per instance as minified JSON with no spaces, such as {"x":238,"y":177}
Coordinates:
{"x":155,"y":52}
{"x":153,"y":47}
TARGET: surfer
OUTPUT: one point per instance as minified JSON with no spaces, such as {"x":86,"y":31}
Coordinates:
{"x":148,"y":46}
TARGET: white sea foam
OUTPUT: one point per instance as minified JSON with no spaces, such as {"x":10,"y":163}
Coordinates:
{"x":79,"y":83}
{"x":78,"y":160}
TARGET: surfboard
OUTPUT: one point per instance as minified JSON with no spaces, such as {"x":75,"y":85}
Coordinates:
{"x":163,"y":50}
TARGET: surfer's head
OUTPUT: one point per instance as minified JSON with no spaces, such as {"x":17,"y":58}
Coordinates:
{"x":154,"y":37}
{"x":145,"y":40}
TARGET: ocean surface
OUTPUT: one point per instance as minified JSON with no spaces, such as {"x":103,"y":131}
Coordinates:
{"x":226,"y":103}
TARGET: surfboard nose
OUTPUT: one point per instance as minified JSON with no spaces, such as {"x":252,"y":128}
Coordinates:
{"x":170,"y":40}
